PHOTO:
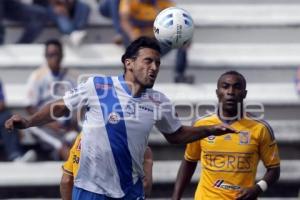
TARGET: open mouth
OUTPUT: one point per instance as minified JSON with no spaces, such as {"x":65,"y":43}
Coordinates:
{"x":152,"y":76}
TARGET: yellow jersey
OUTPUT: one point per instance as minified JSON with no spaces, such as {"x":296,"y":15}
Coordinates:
{"x":71,"y":166}
{"x":229,"y":162}
{"x":142,"y":13}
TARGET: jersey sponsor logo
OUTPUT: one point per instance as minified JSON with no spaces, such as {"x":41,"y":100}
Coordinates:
{"x":130,"y":108}
{"x":145,"y":108}
{"x":226,"y":186}
{"x":228,"y":161}
{"x":244,"y":137}
{"x":114,"y":118}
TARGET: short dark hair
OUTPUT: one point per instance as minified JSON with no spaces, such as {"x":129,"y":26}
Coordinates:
{"x":232,"y":72}
{"x":55,"y":42}
{"x":136,"y":45}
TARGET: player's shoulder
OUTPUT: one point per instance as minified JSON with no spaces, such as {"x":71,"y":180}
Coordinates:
{"x":157,"y":96}
{"x":97,"y":81}
{"x":257,"y":121}
{"x":210,"y":118}
{"x":260,"y":124}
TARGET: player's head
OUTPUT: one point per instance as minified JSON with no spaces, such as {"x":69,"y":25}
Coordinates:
{"x":231,"y":91}
{"x":53,"y":54}
{"x":141,"y":61}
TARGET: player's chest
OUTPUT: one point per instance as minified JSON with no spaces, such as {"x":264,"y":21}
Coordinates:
{"x":244,"y":142}
{"x":132,"y":115}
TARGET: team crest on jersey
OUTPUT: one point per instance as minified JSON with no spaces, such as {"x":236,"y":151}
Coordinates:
{"x":244,"y":137}
{"x":114,"y":118}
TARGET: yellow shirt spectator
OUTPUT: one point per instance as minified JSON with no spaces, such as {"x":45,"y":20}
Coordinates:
{"x":141,"y":14}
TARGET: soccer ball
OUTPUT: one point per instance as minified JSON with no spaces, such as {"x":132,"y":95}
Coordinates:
{"x":173,"y":27}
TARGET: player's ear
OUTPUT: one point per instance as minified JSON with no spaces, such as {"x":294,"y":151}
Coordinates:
{"x":245,"y":94}
{"x":217,"y":93}
{"x":128,"y":64}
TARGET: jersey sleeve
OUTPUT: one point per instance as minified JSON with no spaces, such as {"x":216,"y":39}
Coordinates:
{"x":68,"y":166}
{"x":268,"y":148}
{"x":193,"y":150}
{"x":78,"y":96}
{"x":167,"y":122}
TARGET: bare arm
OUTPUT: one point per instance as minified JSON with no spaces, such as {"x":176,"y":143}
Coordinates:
{"x":187,"y":134}
{"x":66,"y":186}
{"x":43,"y":116}
{"x":184,"y":176}
{"x":31,"y":109}
{"x":271,"y":176}
{"x":148,"y":163}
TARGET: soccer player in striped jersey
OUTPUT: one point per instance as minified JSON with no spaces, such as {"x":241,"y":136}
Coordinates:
{"x":120,"y":113}
{"x":71,"y":166}
{"x":229,"y":162}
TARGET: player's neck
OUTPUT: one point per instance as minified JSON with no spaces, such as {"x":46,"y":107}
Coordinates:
{"x":230,"y":116}
{"x":135,"y":88}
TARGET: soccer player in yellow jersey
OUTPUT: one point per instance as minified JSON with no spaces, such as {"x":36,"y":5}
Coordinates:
{"x":71,"y":166}
{"x":229,"y":162}
{"x":70,"y":169}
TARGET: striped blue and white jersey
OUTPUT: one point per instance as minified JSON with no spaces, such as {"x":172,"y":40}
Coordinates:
{"x":115,"y":132}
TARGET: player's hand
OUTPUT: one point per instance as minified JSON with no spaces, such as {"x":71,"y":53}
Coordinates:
{"x":16,"y":122}
{"x":221,"y":129}
{"x":249,"y":193}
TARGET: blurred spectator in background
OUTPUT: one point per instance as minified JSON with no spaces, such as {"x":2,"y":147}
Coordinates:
{"x":32,"y":17}
{"x":10,"y":140}
{"x":46,"y":84}
{"x":71,"y":17}
{"x":298,"y":80}
{"x":137,"y":18}
{"x":110,"y":9}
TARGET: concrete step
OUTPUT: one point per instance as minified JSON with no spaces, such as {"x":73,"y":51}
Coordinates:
{"x":186,"y":96}
{"x":30,"y":174}
{"x":200,"y":55}
{"x":204,"y":34}
{"x":202,"y":74}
